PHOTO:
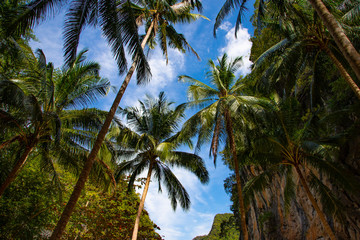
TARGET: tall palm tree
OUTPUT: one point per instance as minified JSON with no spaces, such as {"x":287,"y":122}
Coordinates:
{"x":304,"y":40}
{"x":289,"y":146}
{"x":343,"y":43}
{"x":151,"y":142}
{"x":39,"y":108}
{"x":220,"y":102}
{"x":159,"y":17}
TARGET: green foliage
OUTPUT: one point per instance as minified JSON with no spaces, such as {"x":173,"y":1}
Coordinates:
{"x":27,"y":207}
{"x":31,"y":206}
{"x":44,"y":109}
{"x":223,"y":228}
{"x":102,"y":215}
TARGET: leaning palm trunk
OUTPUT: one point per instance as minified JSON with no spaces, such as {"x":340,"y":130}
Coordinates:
{"x":14,"y":172}
{"x":342,"y":41}
{"x":315,"y":205}
{"x":69,"y":208}
{"x":343,"y":72}
{"x":142,"y":202}
{"x":230,"y":134}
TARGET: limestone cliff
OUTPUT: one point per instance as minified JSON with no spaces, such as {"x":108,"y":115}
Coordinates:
{"x":268,"y":220}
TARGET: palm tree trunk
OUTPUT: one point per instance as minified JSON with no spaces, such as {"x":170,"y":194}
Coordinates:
{"x":315,"y":205}
{"x":230,"y":134}
{"x":14,"y":172}
{"x":142,"y":202}
{"x":338,"y":34}
{"x":69,"y":208}
{"x":343,"y":72}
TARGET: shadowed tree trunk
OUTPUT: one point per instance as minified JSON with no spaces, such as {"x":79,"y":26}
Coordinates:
{"x":69,"y":208}
{"x":21,"y":161}
{"x":343,"y":72}
{"x":229,"y":130}
{"x":326,"y":225}
{"x":338,"y":34}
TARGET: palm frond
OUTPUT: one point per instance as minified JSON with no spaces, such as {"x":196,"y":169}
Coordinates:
{"x":88,"y":93}
{"x":77,"y":17}
{"x":227,"y":7}
{"x":178,"y":41}
{"x":268,"y":53}
{"x":176,"y":191}
{"x":330,"y":204}
{"x":201,"y":90}
{"x":11,"y":94}
{"x":352,"y":14}
{"x":31,"y":13}
{"x":127,"y":138}
{"x":135,"y":167}
{"x":191,"y":162}
{"x":259,"y":182}
{"x":47,"y":164}
{"x":129,"y":33}
{"x":334,"y":172}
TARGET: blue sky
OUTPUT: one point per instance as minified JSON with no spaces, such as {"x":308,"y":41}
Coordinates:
{"x":207,"y":200}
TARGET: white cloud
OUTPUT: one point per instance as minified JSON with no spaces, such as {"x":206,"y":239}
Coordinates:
{"x":239,"y":46}
{"x":226,"y":26}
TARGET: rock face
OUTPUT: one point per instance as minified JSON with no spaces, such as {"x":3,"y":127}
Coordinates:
{"x":268,"y":220}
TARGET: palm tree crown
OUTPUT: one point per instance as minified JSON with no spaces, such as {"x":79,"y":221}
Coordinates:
{"x":225,"y":93}
{"x":41,"y":107}
{"x":151,"y":142}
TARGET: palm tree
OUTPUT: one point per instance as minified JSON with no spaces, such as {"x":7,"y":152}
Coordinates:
{"x":151,"y":142}
{"x":159,"y":17}
{"x":346,"y":47}
{"x":220,"y":101}
{"x":289,"y":146}
{"x":343,"y":43}
{"x":305,"y":40}
{"x":39,"y":109}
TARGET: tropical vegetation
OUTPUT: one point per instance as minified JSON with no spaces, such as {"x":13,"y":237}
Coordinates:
{"x":288,"y":131}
